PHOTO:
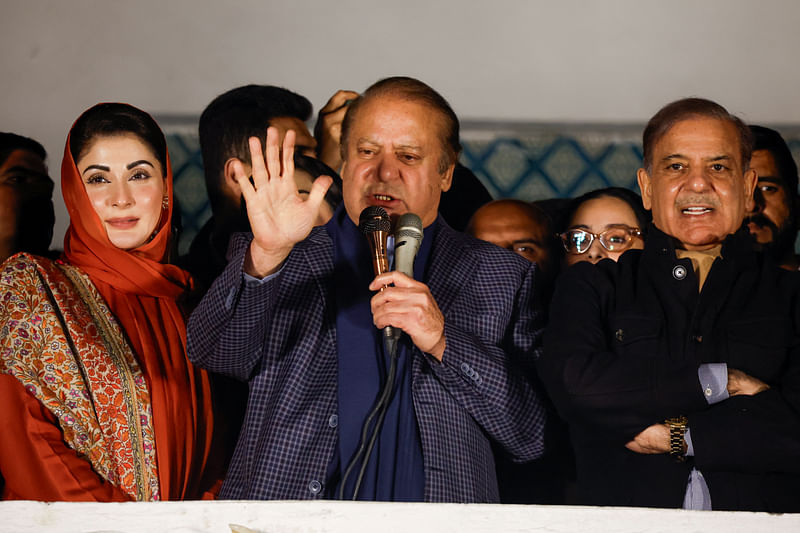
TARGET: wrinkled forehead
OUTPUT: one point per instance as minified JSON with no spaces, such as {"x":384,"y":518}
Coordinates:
{"x":421,"y":118}
{"x":700,"y":136}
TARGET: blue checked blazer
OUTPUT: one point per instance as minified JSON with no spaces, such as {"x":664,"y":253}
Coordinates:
{"x":280,"y":336}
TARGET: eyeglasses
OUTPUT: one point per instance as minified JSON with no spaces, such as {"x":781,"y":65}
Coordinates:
{"x":614,"y":239}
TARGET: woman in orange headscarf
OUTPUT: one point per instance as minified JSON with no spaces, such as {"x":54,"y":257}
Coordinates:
{"x":99,"y":402}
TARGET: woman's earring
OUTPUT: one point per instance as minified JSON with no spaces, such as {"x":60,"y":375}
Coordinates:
{"x":165,"y":202}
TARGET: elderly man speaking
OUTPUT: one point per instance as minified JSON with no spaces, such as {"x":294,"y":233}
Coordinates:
{"x":298,"y":313}
{"x":678,"y":368}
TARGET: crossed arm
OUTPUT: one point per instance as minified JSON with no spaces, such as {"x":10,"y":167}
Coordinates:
{"x":655,"y":438}
{"x":627,"y":395}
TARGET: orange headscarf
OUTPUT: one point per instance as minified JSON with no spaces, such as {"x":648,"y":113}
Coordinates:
{"x":141,"y":292}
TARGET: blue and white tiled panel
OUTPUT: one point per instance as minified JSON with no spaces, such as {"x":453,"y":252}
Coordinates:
{"x":534,"y":163}
{"x":529,"y":162}
{"x":189,"y":184}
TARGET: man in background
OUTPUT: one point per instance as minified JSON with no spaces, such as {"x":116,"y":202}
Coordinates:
{"x":526,"y":230}
{"x":774,"y":217}
{"x":225,"y":125}
{"x":26,"y":197}
{"x":519,"y":227}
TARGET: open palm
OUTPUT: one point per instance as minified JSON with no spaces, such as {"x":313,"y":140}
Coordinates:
{"x":279,"y":216}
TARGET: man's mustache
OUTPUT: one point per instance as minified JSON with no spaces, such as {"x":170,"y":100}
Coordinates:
{"x":697,"y":200}
{"x":761,"y":221}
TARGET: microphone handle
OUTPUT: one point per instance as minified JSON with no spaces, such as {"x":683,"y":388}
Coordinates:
{"x":380,"y":264}
{"x":405,"y":250}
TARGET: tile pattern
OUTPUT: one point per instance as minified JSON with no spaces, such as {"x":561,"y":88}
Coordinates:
{"x":529,"y":162}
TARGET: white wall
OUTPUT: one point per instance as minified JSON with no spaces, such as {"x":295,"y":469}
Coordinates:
{"x":360,"y":517}
{"x":528,"y":60}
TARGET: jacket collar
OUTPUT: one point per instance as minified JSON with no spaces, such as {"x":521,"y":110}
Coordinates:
{"x":737,"y":247}
{"x":448,"y":272}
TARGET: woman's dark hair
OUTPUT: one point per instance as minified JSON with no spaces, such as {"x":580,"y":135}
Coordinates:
{"x":633,"y":200}
{"x":317,"y":168}
{"x":111,"y":119}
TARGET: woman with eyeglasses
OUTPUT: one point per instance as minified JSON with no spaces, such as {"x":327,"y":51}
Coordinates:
{"x":604,"y":223}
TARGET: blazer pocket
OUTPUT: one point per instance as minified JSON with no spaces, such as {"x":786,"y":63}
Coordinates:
{"x":760,"y":346}
{"x":635,"y":335}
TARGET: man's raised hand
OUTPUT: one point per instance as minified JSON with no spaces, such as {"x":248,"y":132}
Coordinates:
{"x":279,"y":217}
{"x":328,"y":130}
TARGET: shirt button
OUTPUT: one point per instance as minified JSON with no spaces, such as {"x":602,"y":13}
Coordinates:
{"x":708,"y":391}
{"x":679,"y":272}
{"x":465,"y":368}
{"x":314,"y":487}
{"x":333,"y":421}
{"x":620,"y":335}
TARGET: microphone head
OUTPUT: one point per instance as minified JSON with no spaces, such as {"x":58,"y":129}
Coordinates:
{"x":408,"y":225}
{"x":374,"y":218}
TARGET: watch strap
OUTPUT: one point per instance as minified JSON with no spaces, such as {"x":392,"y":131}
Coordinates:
{"x":677,"y":441}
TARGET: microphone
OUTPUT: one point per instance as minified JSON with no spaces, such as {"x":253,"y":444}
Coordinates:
{"x":375,"y":224}
{"x":407,"y":240}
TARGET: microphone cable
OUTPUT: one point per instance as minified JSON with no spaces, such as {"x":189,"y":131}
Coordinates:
{"x":365,"y":446}
{"x":388,"y":394}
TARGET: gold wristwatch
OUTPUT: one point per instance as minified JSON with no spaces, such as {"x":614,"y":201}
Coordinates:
{"x":677,"y":430}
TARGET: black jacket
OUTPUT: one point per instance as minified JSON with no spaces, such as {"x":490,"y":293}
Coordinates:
{"x":621,"y":352}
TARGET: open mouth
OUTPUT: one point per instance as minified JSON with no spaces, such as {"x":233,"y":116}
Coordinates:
{"x":696,"y":211}
{"x":383,"y":197}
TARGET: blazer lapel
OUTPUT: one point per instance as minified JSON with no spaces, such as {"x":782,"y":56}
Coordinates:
{"x":449,"y":269}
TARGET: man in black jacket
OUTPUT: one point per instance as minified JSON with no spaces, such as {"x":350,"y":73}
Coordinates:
{"x":678,"y":367}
